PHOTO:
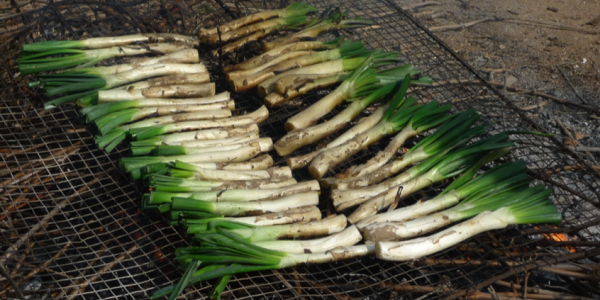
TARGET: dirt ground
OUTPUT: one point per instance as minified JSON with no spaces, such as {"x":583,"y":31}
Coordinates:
{"x":549,"y":46}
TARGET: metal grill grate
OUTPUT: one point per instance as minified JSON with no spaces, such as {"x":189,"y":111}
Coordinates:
{"x":70,"y":223}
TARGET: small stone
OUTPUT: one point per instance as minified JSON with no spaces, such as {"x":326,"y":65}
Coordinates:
{"x":552,"y":9}
{"x":511,"y":80}
{"x":502,"y":47}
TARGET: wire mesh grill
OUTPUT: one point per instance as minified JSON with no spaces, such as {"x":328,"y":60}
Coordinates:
{"x":71,"y":227}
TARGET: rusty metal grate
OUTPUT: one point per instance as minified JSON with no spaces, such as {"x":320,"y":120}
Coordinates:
{"x":70,"y":226}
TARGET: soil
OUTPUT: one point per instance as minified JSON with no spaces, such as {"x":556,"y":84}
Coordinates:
{"x":550,"y":46}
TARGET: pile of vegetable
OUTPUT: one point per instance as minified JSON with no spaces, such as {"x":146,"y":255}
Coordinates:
{"x":210,"y":173}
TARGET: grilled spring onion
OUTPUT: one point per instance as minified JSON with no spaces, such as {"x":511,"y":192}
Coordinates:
{"x":449,"y":135}
{"x":149,"y":146}
{"x":295,"y":215}
{"x":496,"y":179}
{"x":527,"y":211}
{"x":396,"y":117}
{"x":173,"y":91}
{"x":468,"y":207}
{"x":292,"y":18}
{"x":334,"y":22}
{"x":442,"y":164}
{"x":198,"y":135}
{"x":384,"y":200}
{"x":239,"y":208}
{"x":194,"y":112}
{"x":306,"y":136}
{"x":361,"y":82}
{"x":242,"y":81}
{"x":274,"y":174}
{"x":328,"y":68}
{"x":87,"y":85}
{"x":324,"y":227}
{"x":275,"y":54}
{"x":430,"y":116}
{"x":166,"y":150}
{"x":296,"y":8}
{"x":260,"y":162}
{"x":265,"y":173}
{"x":255,"y":259}
{"x":52,"y":60}
{"x":257,"y":117}
{"x":290,"y":23}
{"x":236,"y":155}
{"x":168,"y":80}
{"x":219,"y":101}
{"x":228,"y":194}
{"x":105,"y":42}
{"x":297,"y":162}
{"x":170,"y":184}
{"x":188,"y":56}
{"x":301,"y":84}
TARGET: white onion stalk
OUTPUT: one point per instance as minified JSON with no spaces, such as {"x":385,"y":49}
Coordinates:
{"x":450,"y":135}
{"x":469,"y":163}
{"x":106,"y":127}
{"x":291,"y":10}
{"x":221,"y":142}
{"x":272,"y":62}
{"x":265,"y":144}
{"x":188,"y":56}
{"x":260,"y":162}
{"x":306,"y":136}
{"x":348,"y":237}
{"x":168,"y":80}
{"x":270,"y":55}
{"x":168,"y":185}
{"x":256,"y":116}
{"x":243,"y":81}
{"x":85,"y":86}
{"x":363,"y":125}
{"x":105,"y":42}
{"x":327,"y":226}
{"x":294,"y":215}
{"x":272,"y":260}
{"x":146,"y":101}
{"x":244,"y":208}
{"x":275,"y":174}
{"x":48,"y":60}
{"x":199,"y":135}
{"x":495,"y":180}
{"x":230,"y":195}
{"x":173,"y":91}
{"x":530,"y":213}
{"x":325,"y":68}
{"x":300,"y":85}
{"x":236,"y":155}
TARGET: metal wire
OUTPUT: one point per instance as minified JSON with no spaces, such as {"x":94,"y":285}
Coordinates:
{"x":70,"y":222}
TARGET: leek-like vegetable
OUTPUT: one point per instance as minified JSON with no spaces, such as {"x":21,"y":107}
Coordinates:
{"x":533,"y":210}
{"x":468,"y":164}
{"x":334,"y":22}
{"x":296,"y":8}
{"x":306,"y":136}
{"x":168,"y":80}
{"x":105,"y":42}
{"x":219,"y":101}
{"x":52,"y":60}
{"x":229,"y":249}
{"x":173,"y":91}
{"x":448,"y":136}
{"x":296,"y":85}
{"x":257,"y":117}
{"x":497,"y":179}
{"x":237,"y":208}
{"x":87,"y":85}
{"x":364,"y":125}
{"x":161,"y":183}
{"x":228,"y":195}
{"x":269,"y":56}
{"x":244,"y":80}
{"x":211,"y":134}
